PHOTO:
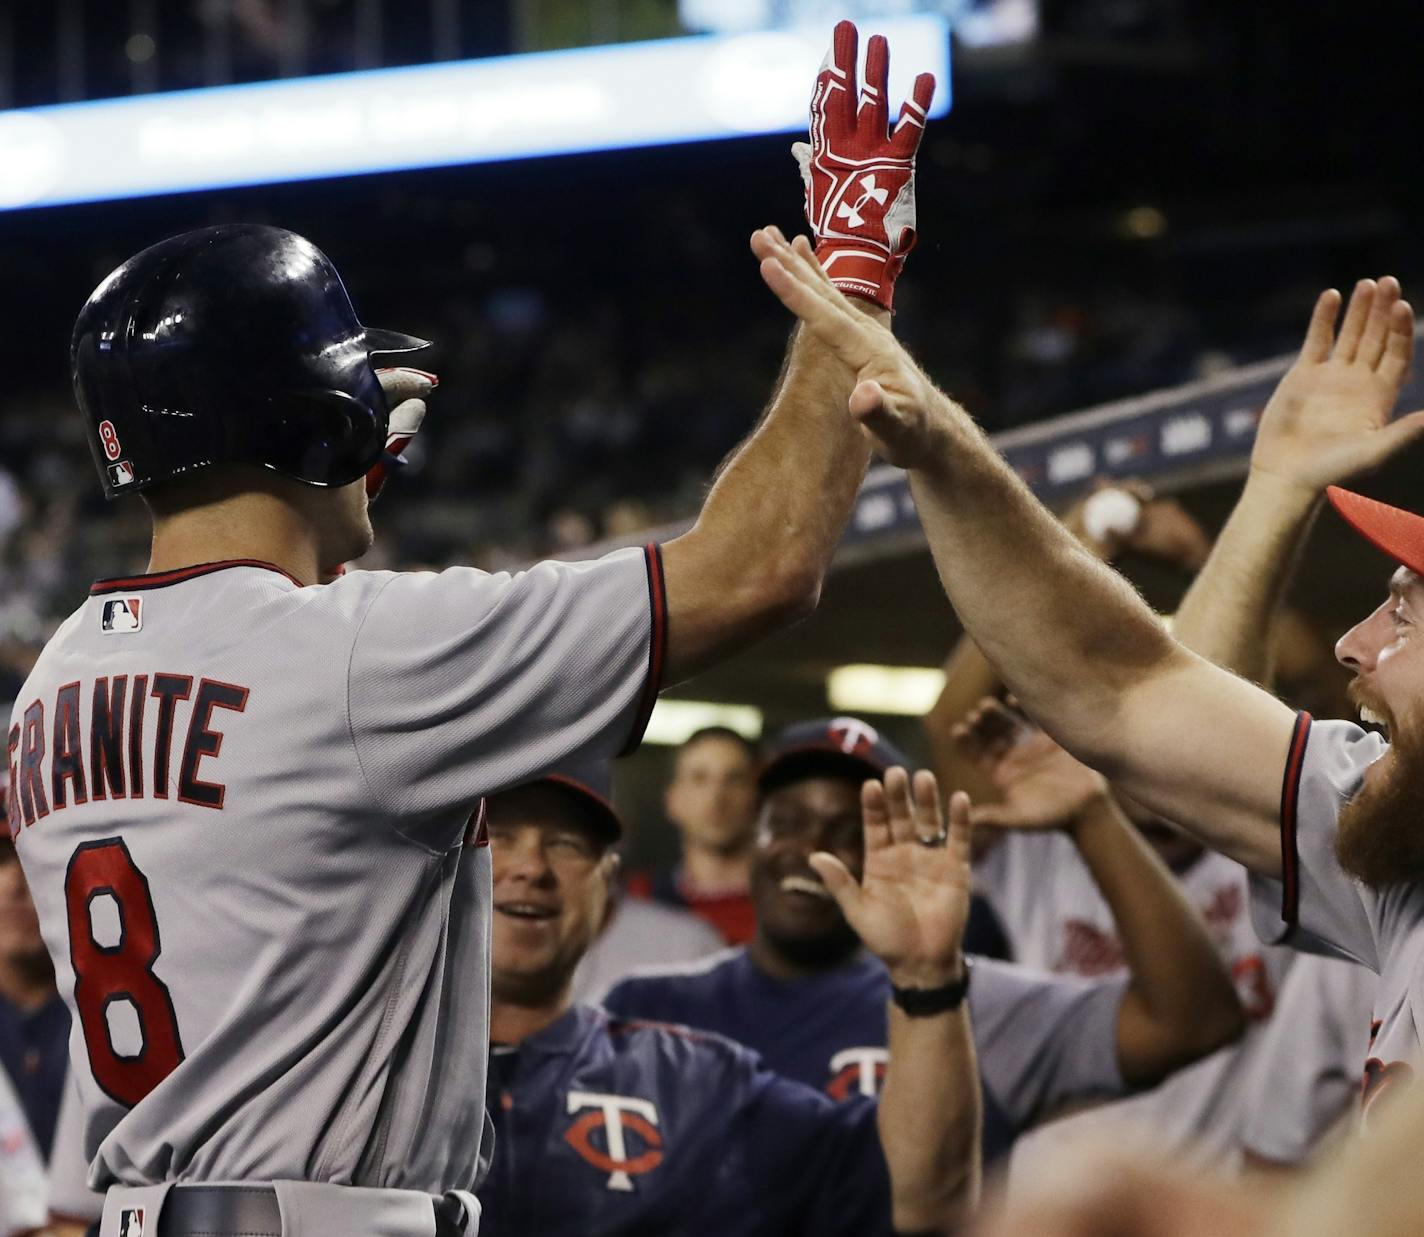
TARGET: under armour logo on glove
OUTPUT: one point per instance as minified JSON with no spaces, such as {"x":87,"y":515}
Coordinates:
{"x":851,"y":213}
{"x":859,"y":176}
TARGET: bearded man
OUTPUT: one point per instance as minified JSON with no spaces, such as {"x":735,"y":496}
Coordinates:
{"x":1325,"y":815}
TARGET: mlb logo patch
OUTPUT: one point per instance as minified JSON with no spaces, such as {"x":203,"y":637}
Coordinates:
{"x":131,"y":1222}
{"x":121,"y":473}
{"x":122,"y":614}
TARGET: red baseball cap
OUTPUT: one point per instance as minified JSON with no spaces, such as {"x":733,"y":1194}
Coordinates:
{"x":1400,"y":534}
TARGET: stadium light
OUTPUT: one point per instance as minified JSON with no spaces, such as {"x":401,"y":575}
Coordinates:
{"x":674,"y":721}
{"x":904,"y":690}
{"x":507,"y":107}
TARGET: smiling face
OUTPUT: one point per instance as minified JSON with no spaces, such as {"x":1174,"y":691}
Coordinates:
{"x":1381,"y":834}
{"x":551,"y":881}
{"x":796,"y":916}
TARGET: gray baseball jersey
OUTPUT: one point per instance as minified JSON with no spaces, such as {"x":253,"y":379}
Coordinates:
{"x":1306,"y":1079}
{"x":1057,"y":919}
{"x":1317,"y":907}
{"x":251,"y":817}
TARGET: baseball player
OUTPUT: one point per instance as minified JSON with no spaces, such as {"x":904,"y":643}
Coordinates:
{"x":1041,"y":881}
{"x":1322,"y":813}
{"x":249,"y":808}
{"x":811,"y":1002}
{"x":1304,"y":1082}
{"x":607,"y":1126}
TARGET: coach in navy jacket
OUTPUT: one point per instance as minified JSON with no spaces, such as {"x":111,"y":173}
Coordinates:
{"x":606,"y":1127}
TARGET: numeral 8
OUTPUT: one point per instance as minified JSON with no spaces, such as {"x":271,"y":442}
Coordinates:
{"x":106,"y":974}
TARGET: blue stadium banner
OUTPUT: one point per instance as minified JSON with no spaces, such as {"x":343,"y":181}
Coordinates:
{"x":508,"y":107}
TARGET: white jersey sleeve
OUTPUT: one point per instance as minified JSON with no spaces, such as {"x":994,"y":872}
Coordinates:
{"x":1044,"y":1040}
{"x":1316,"y":906}
{"x":1306,"y":1076}
{"x":71,"y":1200}
{"x":461,"y":683}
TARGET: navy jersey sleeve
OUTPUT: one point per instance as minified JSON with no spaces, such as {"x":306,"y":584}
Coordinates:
{"x":817,"y":1162}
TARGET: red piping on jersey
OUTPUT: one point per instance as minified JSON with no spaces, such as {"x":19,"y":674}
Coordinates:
{"x":1290,"y":800}
{"x":657,"y":645}
{"x":162,"y":579}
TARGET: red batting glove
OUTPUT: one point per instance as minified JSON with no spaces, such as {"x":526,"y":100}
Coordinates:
{"x":860,"y":178}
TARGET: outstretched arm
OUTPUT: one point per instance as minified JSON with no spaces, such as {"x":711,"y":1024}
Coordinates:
{"x":1085,"y":656}
{"x":1180,"y":1002}
{"x":756,"y":557}
{"x":909,"y":909}
{"x":1327,"y":421}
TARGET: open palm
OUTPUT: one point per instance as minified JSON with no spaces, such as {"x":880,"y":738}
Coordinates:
{"x":1041,"y":785}
{"x":911,"y":903}
{"x":1329,"y":417}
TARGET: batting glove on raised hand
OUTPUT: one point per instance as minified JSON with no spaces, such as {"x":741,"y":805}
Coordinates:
{"x":404,"y":389}
{"x":860,"y":177}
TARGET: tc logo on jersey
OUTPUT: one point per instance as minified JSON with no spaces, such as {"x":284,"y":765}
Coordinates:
{"x":853,"y":736}
{"x":617,"y":1116}
{"x":131,"y":1222}
{"x":122,"y":614}
{"x":857,"y":1071}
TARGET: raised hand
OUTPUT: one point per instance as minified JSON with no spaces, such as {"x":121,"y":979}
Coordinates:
{"x":859,"y":176}
{"x":911,"y":903}
{"x":1328,"y":418}
{"x":898,"y":407}
{"x":1042,"y":786}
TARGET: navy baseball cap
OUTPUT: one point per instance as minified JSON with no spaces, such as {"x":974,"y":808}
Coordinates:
{"x":592,"y":782}
{"x":829,"y":747}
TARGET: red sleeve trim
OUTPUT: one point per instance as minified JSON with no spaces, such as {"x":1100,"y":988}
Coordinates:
{"x":1290,"y":800}
{"x":657,"y":645}
{"x":162,"y":579}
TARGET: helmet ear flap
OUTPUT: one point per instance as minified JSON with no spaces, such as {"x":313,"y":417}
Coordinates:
{"x":323,"y":437}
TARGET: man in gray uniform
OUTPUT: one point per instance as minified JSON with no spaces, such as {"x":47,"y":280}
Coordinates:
{"x":249,"y":808}
{"x":1325,"y":815}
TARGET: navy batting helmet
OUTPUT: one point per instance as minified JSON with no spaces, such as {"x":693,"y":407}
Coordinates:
{"x":229,"y":345}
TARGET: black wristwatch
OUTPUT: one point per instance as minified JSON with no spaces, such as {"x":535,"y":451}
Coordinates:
{"x":926,"y":1002}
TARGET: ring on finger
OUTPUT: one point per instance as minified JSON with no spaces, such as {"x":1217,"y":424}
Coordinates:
{"x":935,"y":839}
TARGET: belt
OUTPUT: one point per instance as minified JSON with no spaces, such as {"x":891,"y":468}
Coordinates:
{"x":252,"y":1211}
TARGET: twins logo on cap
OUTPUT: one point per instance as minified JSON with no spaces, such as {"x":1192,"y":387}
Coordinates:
{"x":853,"y":736}
{"x":122,"y":614}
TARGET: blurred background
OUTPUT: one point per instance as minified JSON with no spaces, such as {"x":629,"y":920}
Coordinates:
{"x":1126,"y":196}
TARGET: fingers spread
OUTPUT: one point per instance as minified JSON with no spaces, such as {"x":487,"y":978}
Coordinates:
{"x":874,"y":815}
{"x":961,"y":824}
{"x":1399,"y":343}
{"x":1372,"y":342}
{"x":928,"y":821}
{"x":1356,"y":315}
{"x":838,"y":880}
{"x":1321,"y":332}
{"x":897,"y":801}
{"x":911,"y":125}
{"x":874,"y":101}
{"x":844,"y":48}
